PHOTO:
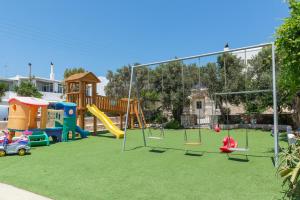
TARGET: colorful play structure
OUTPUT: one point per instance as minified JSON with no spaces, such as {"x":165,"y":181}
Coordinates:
{"x":228,"y":144}
{"x":23,"y":115}
{"x":81,"y":97}
{"x":81,"y":90}
{"x":64,"y":115}
{"x":18,"y":145}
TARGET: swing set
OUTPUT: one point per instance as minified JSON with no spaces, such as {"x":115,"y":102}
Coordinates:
{"x":226,"y":93}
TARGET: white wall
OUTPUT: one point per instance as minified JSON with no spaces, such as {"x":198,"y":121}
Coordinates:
{"x":101,"y":86}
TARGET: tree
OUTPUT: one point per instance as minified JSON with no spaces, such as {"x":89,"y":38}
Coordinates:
{"x":259,"y":77}
{"x":288,"y":49}
{"x":3,"y":89}
{"x":160,"y":88}
{"x":27,"y":89}
{"x":70,"y":71}
{"x":228,"y":68}
{"x":118,"y":84}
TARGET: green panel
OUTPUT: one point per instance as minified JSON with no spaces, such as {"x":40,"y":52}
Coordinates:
{"x":38,"y":138}
{"x":69,"y":126}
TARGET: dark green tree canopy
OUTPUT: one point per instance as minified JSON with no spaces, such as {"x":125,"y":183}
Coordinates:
{"x":75,"y":70}
{"x":288,"y":49}
{"x":3,"y":89}
{"x":167,"y":87}
{"x":27,"y":89}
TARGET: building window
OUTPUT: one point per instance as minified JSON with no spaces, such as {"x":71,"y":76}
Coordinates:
{"x":199,"y":104}
{"x":60,"y":88}
{"x":44,"y":87}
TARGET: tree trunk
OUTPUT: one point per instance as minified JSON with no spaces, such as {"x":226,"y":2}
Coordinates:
{"x":296,"y":114}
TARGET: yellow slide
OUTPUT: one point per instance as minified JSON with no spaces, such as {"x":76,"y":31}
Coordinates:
{"x":109,"y":125}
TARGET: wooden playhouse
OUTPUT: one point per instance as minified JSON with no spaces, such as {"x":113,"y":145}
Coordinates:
{"x":23,"y":112}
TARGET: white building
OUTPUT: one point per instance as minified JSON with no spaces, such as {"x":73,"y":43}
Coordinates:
{"x":51,"y":89}
{"x":101,"y":85}
{"x":202,"y":106}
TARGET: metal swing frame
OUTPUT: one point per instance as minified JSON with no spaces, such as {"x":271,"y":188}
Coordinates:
{"x":159,"y":137}
{"x":186,"y":140}
{"x":274,"y":90}
{"x":151,"y":135}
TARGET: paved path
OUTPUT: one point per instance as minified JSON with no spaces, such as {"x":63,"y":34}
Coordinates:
{"x":8,"y":192}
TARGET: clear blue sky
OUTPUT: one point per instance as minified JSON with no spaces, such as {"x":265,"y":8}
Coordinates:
{"x":101,"y":35}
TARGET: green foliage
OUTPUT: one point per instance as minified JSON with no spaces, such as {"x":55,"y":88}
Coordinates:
{"x":159,"y":88}
{"x":173,"y":124}
{"x":259,"y":77}
{"x":229,"y":69}
{"x":288,"y":48}
{"x":118,"y":84}
{"x":289,"y":170}
{"x":27,"y":89}
{"x":70,"y":71}
{"x":3,"y":89}
{"x":162,"y":86}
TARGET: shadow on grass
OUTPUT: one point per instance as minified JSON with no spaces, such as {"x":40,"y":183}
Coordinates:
{"x":239,"y":159}
{"x":171,"y":148}
{"x":157,"y":151}
{"x":134,"y":148}
{"x":283,"y":137}
{"x":273,"y":161}
{"x":189,"y":153}
{"x":103,"y":134}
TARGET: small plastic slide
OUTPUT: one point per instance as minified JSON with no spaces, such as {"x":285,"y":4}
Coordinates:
{"x":38,"y":138}
{"x":109,"y":125}
{"x":83,"y":133}
{"x":228,"y":142}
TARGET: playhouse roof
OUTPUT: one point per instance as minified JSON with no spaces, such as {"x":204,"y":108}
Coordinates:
{"x":30,"y":101}
{"x":61,"y":105}
{"x":85,"y":76}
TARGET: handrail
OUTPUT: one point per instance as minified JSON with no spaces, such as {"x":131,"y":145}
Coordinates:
{"x":105,"y":104}
{"x":108,"y":105}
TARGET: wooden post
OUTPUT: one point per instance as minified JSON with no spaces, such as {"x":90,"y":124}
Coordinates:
{"x":68,"y":91}
{"x":44,"y":116}
{"x":132,"y":121}
{"x":94,"y":99}
{"x":121,"y":121}
{"x":80,"y":106}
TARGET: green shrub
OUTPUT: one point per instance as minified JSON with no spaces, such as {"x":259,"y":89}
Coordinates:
{"x":289,"y":170}
{"x":173,"y":124}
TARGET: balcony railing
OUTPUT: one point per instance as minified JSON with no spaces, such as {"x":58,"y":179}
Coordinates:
{"x":105,"y":104}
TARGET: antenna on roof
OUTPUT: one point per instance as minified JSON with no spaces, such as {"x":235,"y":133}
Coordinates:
{"x":226,"y":48}
{"x":29,"y":65}
{"x":52,"y":75}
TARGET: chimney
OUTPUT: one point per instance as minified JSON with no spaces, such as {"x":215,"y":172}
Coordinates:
{"x":226,"y":48}
{"x":52,"y":71}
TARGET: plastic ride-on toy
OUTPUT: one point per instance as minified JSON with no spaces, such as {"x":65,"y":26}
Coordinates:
{"x":20,"y":146}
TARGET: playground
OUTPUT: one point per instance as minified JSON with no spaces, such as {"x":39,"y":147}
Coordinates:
{"x":208,"y":155}
{"x":95,"y":168}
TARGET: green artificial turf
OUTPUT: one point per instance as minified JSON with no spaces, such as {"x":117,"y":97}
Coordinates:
{"x":95,"y":168}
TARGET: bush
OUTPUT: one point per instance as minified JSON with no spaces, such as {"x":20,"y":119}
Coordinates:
{"x":155,"y":116}
{"x":173,"y":124}
{"x":289,"y":170}
{"x":27,"y":89}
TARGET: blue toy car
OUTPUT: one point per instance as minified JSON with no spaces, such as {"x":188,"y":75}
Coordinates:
{"x":20,"y":146}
